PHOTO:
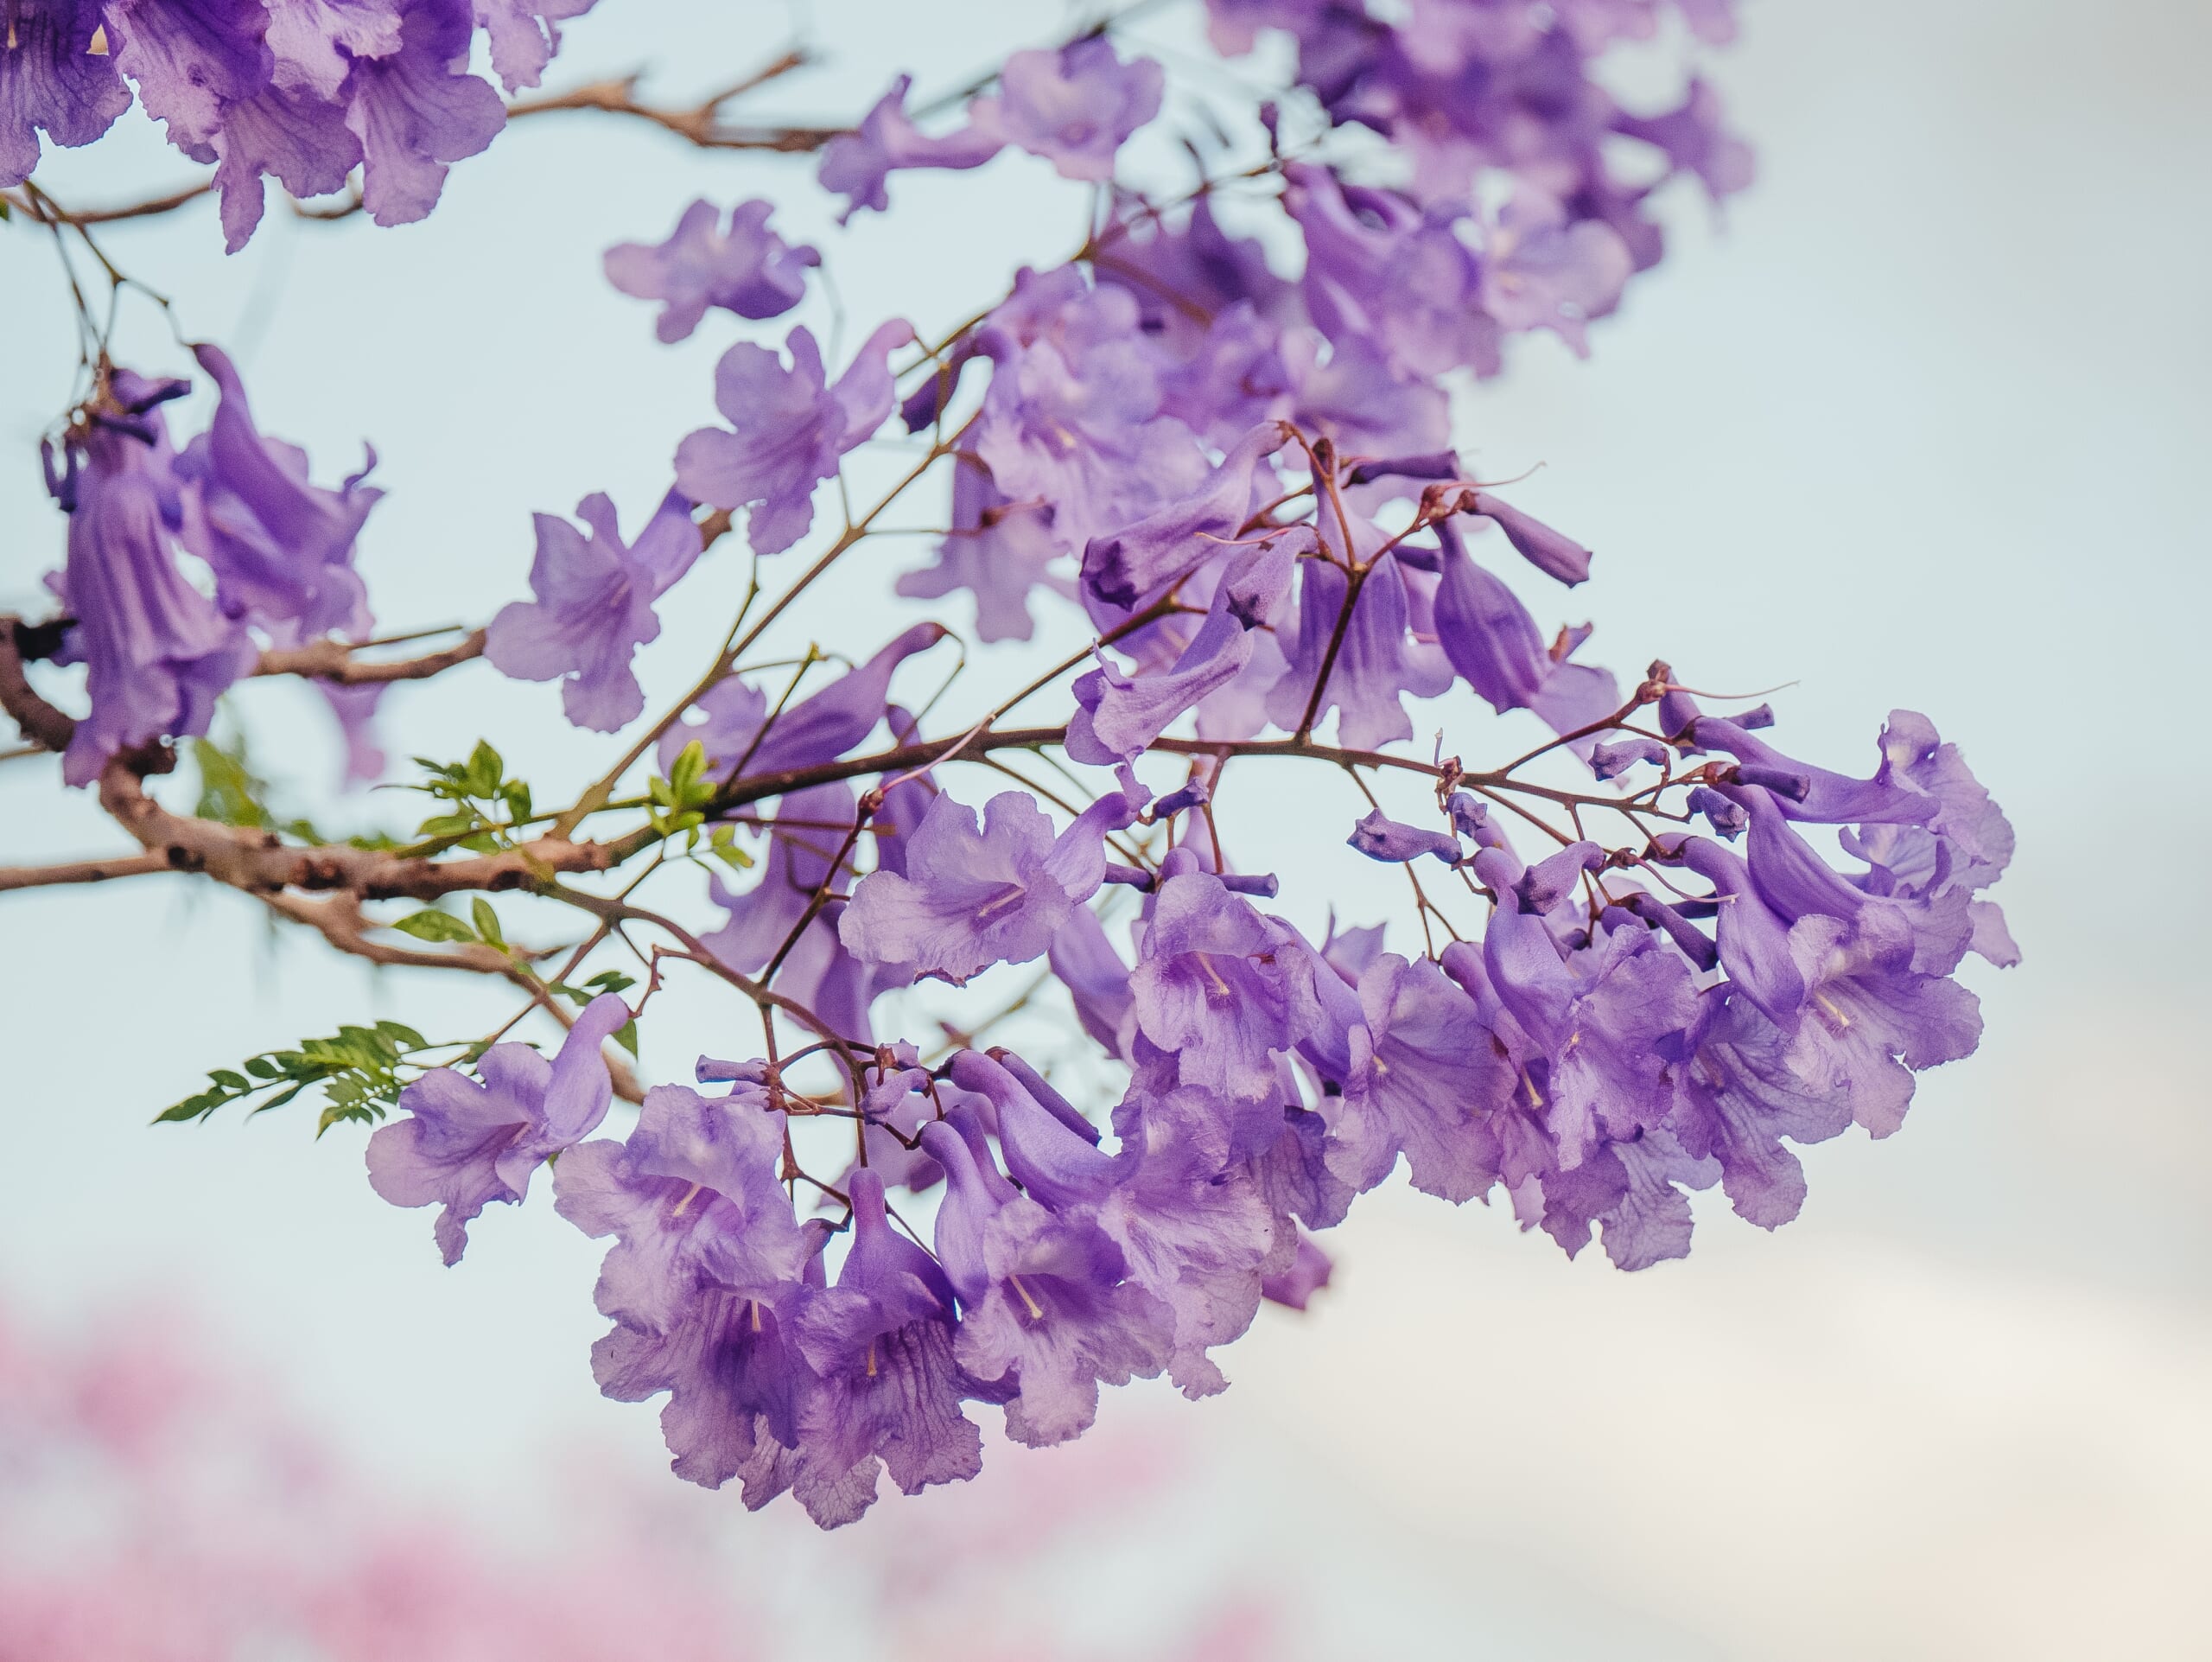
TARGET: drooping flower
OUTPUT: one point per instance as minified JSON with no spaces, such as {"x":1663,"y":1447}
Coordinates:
{"x":738,"y":728}
{"x":744,"y":268}
{"x":708,"y":1275}
{"x":594,"y":606}
{"x":854,"y":165}
{"x":1210,"y":984}
{"x":467,"y":1143}
{"x":158,"y":652}
{"x":1118,"y":715}
{"x":1075,"y":107}
{"x":1000,"y":551}
{"x":281,"y":549}
{"x":971,"y":897}
{"x":886,"y":1389}
{"x":1045,"y":1304}
{"x":789,"y":428}
{"x":51,"y":80}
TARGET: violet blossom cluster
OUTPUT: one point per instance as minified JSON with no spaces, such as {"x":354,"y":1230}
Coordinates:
{"x":1652,"y":978}
{"x":300,"y":91}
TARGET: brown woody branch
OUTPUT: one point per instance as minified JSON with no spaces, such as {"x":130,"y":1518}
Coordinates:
{"x":334,"y":660}
{"x":41,"y":724}
{"x":701,"y":124}
{"x":261,"y":863}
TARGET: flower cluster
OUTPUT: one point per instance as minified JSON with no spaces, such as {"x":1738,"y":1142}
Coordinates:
{"x":1659,"y":950}
{"x":158,"y":652}
{"x":297,"y":90}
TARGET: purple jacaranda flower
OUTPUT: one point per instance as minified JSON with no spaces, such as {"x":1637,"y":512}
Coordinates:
{"x":189,"y":61}
{"x":466,"y":1143}
{"x":1306,"y":1274}
{"x":1965,"y":847}
{"x":1376,"y":659}
{"x":693,"y":1197}
{"x":1630,"y":1191}
{"x":1195,"y":1227}
{"x":1827,"y":798}
{"x":595,"y":606}
{"x":1183,"y":276}
{"x":744,"y":268}
{"x":886,"y":1388}
{"x":524,"y":35}
{"x":1049,"y":1150}
{"x":1754,"y":942}
{"x":1173,"y":540}
{"x":1493,"y":642}
{"x":1234,"y":378}
{"x":1541,"y":271}
{"x":51,"y":80}
{"x":1424,"y":1080}
{"x":972,"y":897}
{"x":1740,"y":1096}
{"x":854,"y":165}
{"x":1118,"y":715}
{"x":791,"y":427}
{"x":1075,"y":107}
{"x":1072,"y":415}
{"x":1361,"y":401}
{"x":281,"y":549}
{"x":1210,"y":982}
{"x":1553,"y":555}
{"x":810,"y":854}
{"x":158,"y":652}
{"x":1871,"y":1019}
{"x":1046,"y":1306}
{"x":416,"y":111}
{"x":1378,"y":269}
{"x":1695,"y":140}
{"x":709,"y":1271}
{"x":1609,"y":1019}
{"x":1612,"y":761}
{"x":738,"y":732}
{"x":1097,"y":981}
{"x":1381,"y":838}
{"x":998,"y":550}
{"x":355,"y":709}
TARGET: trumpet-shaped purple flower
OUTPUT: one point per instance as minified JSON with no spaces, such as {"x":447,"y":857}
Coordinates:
{"x":1376,"y":659}
{"x":158,"y":652}
{"x":1046,"y":1309}
{"x":281,"y":549}
{"x":466,"y":1143}
{"x":1175,"y":539}
{"x":1541,"y":271}
{"x":744,"y":268}
{"x":1211,"y":982}
{"x":415,"y":113}
{"x":1380,"y":838}
{"x":594,"y":607}
{"x":1073,"y":416}
{"x":820,"y":728}
{"x":998,"y":550}
{"x":706,"y":1277}
{"x":51,"y":78}
{"x":1075,"y":107}
{"x":854,"y":165}
{"x":971,"y":897}
{"x":886,"y":1388}
{"x":789,"y":429}
{"x":1119,"y":715}
{"x":1425,"y":1079}
{"x":1306,"y":1274}
{"x":1493,"y":642}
